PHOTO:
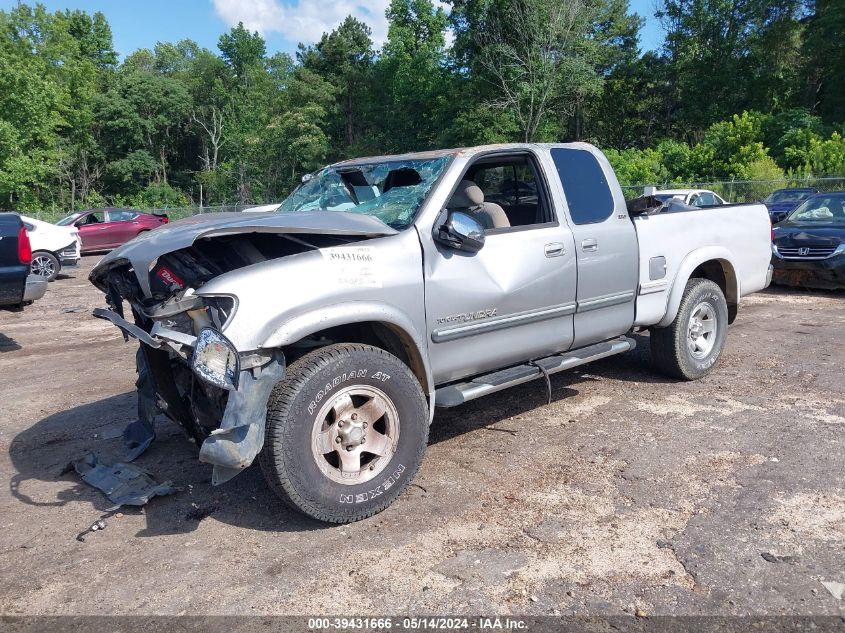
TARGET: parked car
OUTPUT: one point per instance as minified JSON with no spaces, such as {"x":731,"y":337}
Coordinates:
{"x":781,"y":202}
{"x":334,"y":326}
{"x":53,"y":247}
{"x":692,"y":197}
{"x":808,"y":248}
{"x":104,"y":229}
{"x":17,"y":285}
{"x":262,"y":208}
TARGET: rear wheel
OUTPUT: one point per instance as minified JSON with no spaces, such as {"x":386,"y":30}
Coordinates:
{"x":346,"y":431}
{"x":690,"y":346}
{"x":45,"y":265}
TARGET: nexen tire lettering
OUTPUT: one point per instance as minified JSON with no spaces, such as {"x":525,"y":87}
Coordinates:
{"x":377,"y":491}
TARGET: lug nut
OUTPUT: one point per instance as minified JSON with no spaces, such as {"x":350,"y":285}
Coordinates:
{"x":340,"y":423}
{"x":365,"y":425}
{"x":349,"y":448}
{"x":363,"y":439}
{"x":354,"y":416}
{"x":337,"y":439}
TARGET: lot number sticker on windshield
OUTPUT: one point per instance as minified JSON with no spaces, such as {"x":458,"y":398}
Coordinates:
{"x":353,"y":265}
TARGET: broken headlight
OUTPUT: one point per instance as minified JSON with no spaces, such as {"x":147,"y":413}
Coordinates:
{"x":215,"y":360}
{"x":221,"y":309}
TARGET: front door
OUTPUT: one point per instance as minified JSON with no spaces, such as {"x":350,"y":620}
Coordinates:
{"x":514,"y":299}
{"x":605,"y":244}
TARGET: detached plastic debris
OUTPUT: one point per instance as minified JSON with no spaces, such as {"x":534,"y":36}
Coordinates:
{"x":123,"y":484}
{"x":138,"y":435}
{"x":98,"y":526}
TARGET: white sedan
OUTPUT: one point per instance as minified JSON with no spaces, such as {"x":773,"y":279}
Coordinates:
{"x":53,"y":247}
{"x":692,"y":197}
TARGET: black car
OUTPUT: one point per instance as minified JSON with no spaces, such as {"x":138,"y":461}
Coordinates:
{"x":781,"y":202}
{"x":808,"y":248}
{"x":17,"y":286}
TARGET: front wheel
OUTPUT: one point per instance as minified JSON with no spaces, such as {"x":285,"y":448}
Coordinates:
{"x":346,"y":432}
{"x":690,"y":346}
{"x":45,"y":265}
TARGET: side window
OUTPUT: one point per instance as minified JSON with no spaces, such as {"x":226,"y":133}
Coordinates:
{"x":706,"y":199}
{"x":587,"y":192}
{"x":512,"y":183}
{"x":94,"y":218}
{"x":121,"y":215}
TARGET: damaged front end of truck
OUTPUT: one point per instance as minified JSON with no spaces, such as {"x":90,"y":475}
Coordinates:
{"x":187,"y":367}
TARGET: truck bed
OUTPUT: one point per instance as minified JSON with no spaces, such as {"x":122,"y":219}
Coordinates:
{"x":738,"y":236}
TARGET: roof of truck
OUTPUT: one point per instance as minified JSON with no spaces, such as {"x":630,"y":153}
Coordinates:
{"x":439,"y":153}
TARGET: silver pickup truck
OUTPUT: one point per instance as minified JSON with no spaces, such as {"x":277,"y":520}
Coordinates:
{"x":321,"y":337}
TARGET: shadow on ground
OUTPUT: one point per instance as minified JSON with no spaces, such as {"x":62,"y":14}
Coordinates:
{"x":40,"y":454}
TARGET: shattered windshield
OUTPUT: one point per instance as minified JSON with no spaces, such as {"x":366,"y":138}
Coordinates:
{"x":391,"y":191}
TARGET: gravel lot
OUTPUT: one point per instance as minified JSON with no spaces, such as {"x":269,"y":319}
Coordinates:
{"x":628,"y":492}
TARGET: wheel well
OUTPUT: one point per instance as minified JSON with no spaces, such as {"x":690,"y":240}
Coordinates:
{"x":385,"y":336}
{"x":723,"y":275}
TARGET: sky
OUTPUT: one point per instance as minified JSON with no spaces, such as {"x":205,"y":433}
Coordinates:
{"x":283,"y":23}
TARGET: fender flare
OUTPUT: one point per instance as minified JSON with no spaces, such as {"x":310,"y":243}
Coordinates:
{"x":352,"y":312}
{"x":692,"y":261}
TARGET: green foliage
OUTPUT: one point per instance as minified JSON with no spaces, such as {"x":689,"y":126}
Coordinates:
{"x":157,"y":195}
{"x":634,"y":166}
{"x":177,"y":124}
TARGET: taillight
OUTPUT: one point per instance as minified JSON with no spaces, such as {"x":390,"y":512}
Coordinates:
{"x":24,"y":247}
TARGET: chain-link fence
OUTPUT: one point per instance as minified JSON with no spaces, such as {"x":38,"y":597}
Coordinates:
{"x":730,"y":190}
{"x":743,"y":190}
{"x":172,"y":213}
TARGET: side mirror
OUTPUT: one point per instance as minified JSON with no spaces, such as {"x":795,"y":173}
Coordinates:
{"x":780,"y":217}
{"x":460,"y":231}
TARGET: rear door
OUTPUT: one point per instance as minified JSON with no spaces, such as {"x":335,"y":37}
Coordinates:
{"x":123,"y":226}
{"x":605,"y":244}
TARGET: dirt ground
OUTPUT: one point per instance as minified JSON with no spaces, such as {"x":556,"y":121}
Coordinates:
{"x":628,"y":492}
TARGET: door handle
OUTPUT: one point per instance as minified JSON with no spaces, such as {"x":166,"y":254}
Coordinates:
{"x":554,"y":249}
{"x":589,"y":245}
{"x":103,"y":228}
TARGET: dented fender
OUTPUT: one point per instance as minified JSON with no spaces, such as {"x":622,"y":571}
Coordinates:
{"x":235,"y":444}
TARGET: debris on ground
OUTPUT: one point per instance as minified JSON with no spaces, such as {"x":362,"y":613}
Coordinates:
{"x":73,"y":309}
{"x":97,"y":526}
{"x":774,"y":558}
{"x":123,"y":484}
{"x":836,"y":589}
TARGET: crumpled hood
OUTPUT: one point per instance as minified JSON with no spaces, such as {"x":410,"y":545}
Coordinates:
{"x":144,"y":250}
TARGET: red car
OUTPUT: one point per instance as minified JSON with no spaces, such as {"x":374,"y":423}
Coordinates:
{"x":105,"y":229}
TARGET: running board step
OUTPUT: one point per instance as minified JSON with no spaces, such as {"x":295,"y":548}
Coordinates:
{"x":453,"y":395}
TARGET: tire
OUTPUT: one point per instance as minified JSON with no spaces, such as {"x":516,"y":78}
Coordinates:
{"x":317,"y":463}
{"x":45,"y":265}
{"x":675,"y":350}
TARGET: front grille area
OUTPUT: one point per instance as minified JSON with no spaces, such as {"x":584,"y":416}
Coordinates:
{"x":812,"y":252}
{"x":70,"y":251}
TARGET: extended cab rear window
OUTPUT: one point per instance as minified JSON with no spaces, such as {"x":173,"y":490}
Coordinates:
{"x":587,"y":192}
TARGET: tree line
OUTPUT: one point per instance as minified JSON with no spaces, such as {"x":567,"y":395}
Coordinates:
{"x":738,"y":89}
